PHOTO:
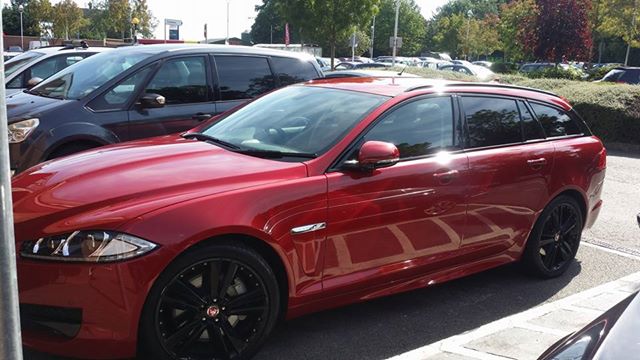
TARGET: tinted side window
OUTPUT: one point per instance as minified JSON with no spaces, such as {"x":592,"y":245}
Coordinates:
{"x":492,"y":121}
{"x":243,"y":77}
{"x":530,"y":126}
{"x":291,"y":70}
{"x":631,"y":76}
{"x":181,"y":81}
{"x":118,"y":96}
{"x":16,"y":83}
{"x":555,"y":122}
{"x":418,"y":128}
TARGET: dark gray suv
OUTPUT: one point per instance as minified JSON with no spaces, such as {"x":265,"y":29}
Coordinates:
{"x":142,"y":91}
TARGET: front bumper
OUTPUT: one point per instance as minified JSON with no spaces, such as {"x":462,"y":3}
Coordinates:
{"x":83,"y":310}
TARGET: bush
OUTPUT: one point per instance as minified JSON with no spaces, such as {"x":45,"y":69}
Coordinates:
{"x":557,"y":73}
{"x":504,"y":68}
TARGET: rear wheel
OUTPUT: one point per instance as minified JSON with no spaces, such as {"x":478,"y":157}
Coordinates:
{"x":555,"y":238}
{"x":220,"y":302}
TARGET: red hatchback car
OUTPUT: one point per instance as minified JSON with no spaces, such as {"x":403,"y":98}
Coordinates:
{"x":193,"y":246}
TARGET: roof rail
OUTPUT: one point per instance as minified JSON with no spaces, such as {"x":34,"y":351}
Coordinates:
{"x":494,"y":85}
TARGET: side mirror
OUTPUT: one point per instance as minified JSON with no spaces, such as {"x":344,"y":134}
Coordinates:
{"x":150,"y":101}
{"x":377,"y":154}
{"x":33,"y":82}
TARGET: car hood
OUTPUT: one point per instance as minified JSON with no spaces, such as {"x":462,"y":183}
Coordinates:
{"x":22,"y":106}
{"x":105,"y":187}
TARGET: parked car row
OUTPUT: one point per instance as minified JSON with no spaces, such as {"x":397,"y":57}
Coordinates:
{"x":251,"y":195}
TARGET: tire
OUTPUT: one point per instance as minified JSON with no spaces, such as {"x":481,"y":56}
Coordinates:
{"x":185,"y":317}
{"x":555,"y":238}
{"x":70,"y":149}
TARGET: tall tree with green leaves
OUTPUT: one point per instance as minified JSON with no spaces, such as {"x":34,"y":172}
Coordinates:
{"x":480,"y":37}
{"x":67,"y":19}
{"x":411,"y":28}
{"x":34,"y":13}
{"x":269,"y":25}
{"x":446,"y":31}
{"x":517,"y":23}
{"x":118,"y":16}
{"x":328,"y":19}
{"x":148,"y":22}
{"x":621,"y":18}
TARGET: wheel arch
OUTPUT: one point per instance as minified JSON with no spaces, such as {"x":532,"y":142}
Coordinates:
{"x":578,"y":196}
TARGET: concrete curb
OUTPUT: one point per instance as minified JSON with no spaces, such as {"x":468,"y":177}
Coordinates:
{"x":532,"y":331}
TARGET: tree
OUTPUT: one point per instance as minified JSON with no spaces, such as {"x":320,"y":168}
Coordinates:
{"x":411,"y":28}
{"x":118,"y":16}
{"x":270,"y":24}
{"x":445,"y":35}
{"x":67,"y":18}
{"x":621,"y":18}
{"x":517,"y":23}
{"x":563,"y":30}
{"x":363,"y":41}
{"x":329,"y":19}
{"x":34,"y":13}
{"x":148,"y":22}
{"x":480,"y":37}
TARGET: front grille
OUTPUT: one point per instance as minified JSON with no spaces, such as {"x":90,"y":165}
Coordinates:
{"x":55,"y":321}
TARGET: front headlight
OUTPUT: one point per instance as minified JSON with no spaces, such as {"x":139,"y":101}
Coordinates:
{"x":19,"y":131}
{"x":87,"y":246}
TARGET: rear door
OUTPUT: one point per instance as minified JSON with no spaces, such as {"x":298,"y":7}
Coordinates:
{"x":398,"y":221}
{"x":184,"y":82}
{"x":511,"y":164}
{"x":240,"y":78}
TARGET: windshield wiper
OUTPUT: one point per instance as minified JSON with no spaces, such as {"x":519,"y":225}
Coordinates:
{"x":38,"y":93}
{"x":205,"y":137}
{"x":274,"y":154}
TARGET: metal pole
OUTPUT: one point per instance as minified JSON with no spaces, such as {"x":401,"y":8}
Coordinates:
{"x":373,"y":33}
{"x":227,"y":40}
{"x":271,"y":33}
{"x":165,"y":31}
{"x":10,"y":342}
{"x":633,"y":31}
{"x":21,"y":32}
{"x":353,"y":46}
{"x":395,"y":33}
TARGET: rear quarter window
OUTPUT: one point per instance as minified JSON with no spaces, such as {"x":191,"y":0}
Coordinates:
{"x":291,"y":70}
{"x":491,"y":121}
{"x":555,"y":122}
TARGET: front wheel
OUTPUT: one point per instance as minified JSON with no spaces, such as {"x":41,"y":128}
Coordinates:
{"x":555,"y":238}
{"x":220,"y":302}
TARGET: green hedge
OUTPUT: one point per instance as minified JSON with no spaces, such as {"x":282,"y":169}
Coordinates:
{"x":612,"y":111}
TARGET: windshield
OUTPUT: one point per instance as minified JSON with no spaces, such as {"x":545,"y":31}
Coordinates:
{"x":16,"y":63}
{"x":297,"y":119}
{"x":82,"y":78}
{"x":613,"y":75}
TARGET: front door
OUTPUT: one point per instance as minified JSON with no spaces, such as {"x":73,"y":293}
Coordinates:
{"x":184,"y":82}
{"x":401,"y":220}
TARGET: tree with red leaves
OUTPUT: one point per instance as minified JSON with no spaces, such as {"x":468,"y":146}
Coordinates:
{"x":562,"y":30}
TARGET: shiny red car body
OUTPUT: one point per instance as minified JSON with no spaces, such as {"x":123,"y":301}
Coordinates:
{"x":372,"y":245}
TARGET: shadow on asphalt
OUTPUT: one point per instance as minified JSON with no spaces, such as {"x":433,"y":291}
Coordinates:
{"x":392,"y":325}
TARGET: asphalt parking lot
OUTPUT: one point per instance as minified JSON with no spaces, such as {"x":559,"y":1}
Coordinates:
{"x":393,"y":325}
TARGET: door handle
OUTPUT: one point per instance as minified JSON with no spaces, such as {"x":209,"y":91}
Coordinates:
{"x":201,"y":116}
{"x":446,"y":177}
{"x":537,"y":163}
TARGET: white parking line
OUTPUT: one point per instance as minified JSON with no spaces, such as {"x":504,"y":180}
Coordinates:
{"x":617,"y":289}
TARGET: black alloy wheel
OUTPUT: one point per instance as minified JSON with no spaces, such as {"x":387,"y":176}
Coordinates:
{"x":220,"y":306}
{"x":555,"y":239}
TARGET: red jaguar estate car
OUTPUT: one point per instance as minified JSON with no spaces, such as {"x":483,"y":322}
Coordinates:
{"x":193,"y":246}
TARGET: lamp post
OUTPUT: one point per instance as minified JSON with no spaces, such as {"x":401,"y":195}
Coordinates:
{"x":227,"y":39}
{"x":21,"y":10}
{"x":373,"y":33}
{"x":469,"y":15}
{"x":633,"y":31}
{"x":395,"y":33}
{"x":135,"y":21}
